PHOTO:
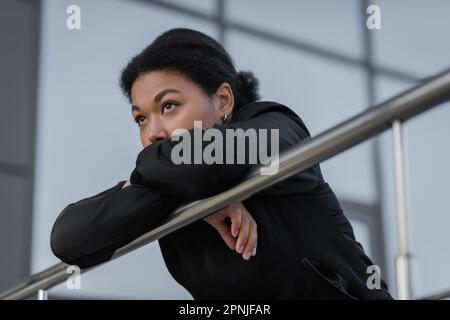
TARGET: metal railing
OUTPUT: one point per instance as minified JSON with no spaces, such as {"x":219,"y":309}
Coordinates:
{"x":339,"y":138}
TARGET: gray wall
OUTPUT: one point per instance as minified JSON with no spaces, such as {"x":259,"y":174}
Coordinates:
{"x":19,"y":40}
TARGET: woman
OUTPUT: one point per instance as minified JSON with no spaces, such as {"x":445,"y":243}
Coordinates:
{"x":289,"y":241}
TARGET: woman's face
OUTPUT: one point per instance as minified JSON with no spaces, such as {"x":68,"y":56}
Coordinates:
{"x":163,"y":101}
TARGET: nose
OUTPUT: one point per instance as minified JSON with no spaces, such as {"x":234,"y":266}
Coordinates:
{"x":156,"y":131}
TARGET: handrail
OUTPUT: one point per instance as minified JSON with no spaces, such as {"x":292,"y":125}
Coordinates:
{"x":437,"y":296}
{"x":314,"y":150}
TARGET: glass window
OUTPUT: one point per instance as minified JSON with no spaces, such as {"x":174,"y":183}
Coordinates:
{"x":328,"y":24}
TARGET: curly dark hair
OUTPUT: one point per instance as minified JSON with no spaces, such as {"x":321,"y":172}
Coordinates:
{"x":199,"y":58}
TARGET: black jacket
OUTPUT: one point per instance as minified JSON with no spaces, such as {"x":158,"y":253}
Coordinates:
{"x":306,"y":246}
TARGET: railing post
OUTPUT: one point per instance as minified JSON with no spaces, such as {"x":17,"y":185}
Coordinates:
{"x":402,"y":261}
{"x":42,"y":294}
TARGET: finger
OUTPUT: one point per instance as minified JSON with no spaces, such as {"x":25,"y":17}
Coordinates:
{"x":252,"y":240}
{"x":224,"y":231}
{"x":217,"y":216}
{"x":243,"y":235}
{"x":236,"y":219}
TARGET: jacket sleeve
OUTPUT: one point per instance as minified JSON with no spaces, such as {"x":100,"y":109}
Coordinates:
{"x":155,"y":168}
{"x":89,"y":231}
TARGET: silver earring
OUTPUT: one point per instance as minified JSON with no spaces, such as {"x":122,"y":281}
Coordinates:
{"x":225,"y":117}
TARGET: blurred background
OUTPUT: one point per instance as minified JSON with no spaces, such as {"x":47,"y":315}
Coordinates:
{"x":62,"y":118}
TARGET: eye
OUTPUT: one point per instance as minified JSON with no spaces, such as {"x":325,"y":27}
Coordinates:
{"x":168,"y":107}
{"x":140,"y":120}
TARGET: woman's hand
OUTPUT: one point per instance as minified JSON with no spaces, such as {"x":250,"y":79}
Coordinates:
{"x":242,"y":236}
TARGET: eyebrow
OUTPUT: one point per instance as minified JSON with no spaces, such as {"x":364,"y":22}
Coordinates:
{"x":158,"y":98}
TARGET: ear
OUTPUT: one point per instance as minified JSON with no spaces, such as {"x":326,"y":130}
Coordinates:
{"x":225,"y":99}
